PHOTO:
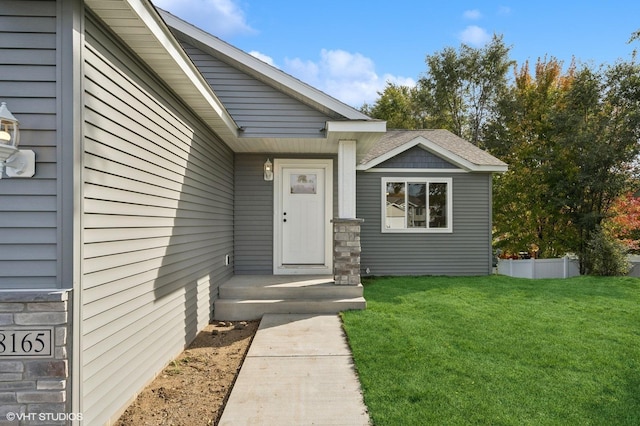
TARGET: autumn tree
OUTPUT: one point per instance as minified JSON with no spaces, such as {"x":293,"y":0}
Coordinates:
{"x":521,"y":134}
{"x":597,"y":141}
{"x":624,"y":220}
{"x":571,"y":142}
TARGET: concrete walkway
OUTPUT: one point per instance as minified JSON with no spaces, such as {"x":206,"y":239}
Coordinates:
{"x":298,"y":371}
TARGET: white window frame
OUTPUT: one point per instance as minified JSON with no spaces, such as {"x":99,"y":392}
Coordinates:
{"x":426,"y":181}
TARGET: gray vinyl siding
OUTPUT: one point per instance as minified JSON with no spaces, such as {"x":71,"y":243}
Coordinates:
{"x":157,"y":224}
{"x":465,"y":251}
{"x":258,"y":108}
{"x":253,"y":232}
{"x":29,"y":207}
{"x":416,"y":158}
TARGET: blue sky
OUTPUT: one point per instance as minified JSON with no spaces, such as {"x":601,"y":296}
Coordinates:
{"x":351,"y":48}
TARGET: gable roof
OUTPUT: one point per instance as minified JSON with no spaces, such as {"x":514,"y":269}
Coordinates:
{"x":143,"y":28}
{"x":440,"y":142}
{"x":262,"y":71}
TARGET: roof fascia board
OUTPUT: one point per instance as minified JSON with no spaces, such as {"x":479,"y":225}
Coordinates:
{"x":492,"y":169}
{"x":358,"y":126}
{"x":150,"y":17}
{"x":409,"y":171}
{"x":255,"y":65}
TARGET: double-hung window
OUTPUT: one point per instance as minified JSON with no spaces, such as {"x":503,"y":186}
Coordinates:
{"x":416,"y":205}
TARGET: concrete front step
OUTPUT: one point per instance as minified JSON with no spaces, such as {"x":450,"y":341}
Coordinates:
{"x":298,"y":289}
{"x":246,"y":309}
{"x":246,"y":297}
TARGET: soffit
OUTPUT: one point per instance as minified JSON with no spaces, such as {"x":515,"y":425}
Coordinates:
{"x":139,"y":26}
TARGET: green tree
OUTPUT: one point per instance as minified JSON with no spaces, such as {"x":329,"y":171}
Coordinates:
{"x":461,"y":87}
{"x":605,"y":255}
{"x":521,"y":134}
{"x":397,"y":105}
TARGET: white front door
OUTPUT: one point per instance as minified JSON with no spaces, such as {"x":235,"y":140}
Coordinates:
{"x":302,"y":216}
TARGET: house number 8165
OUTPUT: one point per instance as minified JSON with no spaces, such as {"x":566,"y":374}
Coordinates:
{"x":25,"y":343}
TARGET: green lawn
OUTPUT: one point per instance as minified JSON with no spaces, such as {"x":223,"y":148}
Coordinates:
{"x":499,"y":350}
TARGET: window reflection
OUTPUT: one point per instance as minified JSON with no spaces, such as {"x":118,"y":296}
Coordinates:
{"x":417,"y":212}
{"x":417,"y":204}
{"x":395,"y":215}
{"x":437,"y":205}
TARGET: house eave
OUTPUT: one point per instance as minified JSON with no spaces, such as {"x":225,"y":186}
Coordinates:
{"x":482,"y":169}
{"x":366,"y":133}
{"x":139,"y":25}
{"x":491,"y":169}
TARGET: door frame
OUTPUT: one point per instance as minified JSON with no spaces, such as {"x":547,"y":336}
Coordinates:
{"x":278,"y":165}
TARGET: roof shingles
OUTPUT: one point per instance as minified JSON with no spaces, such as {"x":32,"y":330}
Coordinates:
{"x":443,"y":138}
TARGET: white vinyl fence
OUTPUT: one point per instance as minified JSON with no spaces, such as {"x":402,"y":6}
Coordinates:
{"x":539,"y":268}
{"x":635,"y":266}
{"x":565,"y":267}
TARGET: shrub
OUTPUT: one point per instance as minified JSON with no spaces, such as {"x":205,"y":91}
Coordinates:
{"x":606,"y":255}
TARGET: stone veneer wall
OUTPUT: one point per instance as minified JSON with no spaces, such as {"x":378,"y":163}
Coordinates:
{"x":346,"y":251}
{"x":36,"y":389}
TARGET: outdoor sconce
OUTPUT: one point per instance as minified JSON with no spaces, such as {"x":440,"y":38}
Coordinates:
{"x":16,"y":162}
{"x":268,"y":170}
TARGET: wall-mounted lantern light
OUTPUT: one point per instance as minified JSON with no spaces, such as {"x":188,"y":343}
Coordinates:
{"x":18,"y":163}
{"x":268,"y":170}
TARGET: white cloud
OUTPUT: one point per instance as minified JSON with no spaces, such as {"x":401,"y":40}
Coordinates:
{"x":349,"y":77}
{"x":220,"y":17}
{"x":472,"y":14}
{"x":307,"y":71}
{"x":263,"y":58}
{"x":504,"y":11}
{"x":475,"y":36}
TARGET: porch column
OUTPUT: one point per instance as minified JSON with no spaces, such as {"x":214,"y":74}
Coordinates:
{"x":347,"y":179}
{"x":346,"y":251}
{"x":346,"y":228}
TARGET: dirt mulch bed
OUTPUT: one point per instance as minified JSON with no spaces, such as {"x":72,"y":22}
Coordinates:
{"x":194,"y":387}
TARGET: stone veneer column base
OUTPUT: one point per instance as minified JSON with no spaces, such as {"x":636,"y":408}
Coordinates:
{"x":33,"y":387}
{"x":346,"y":251}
